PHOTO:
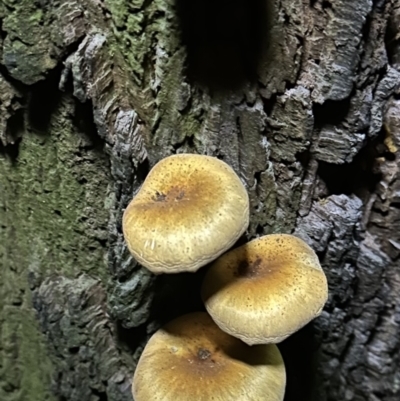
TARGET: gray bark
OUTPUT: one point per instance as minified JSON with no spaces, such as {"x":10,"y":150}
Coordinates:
{"x":300,"y":98}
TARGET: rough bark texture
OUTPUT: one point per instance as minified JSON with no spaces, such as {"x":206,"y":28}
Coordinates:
{"x":299,"y":97}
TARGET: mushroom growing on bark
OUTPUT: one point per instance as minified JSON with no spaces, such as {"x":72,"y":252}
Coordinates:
{"x":192,"y":359}
{"x":265,"y":290}
{"x":190,"y":209}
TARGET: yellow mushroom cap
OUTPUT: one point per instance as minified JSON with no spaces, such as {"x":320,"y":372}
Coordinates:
{"x":189,"y":210}
{"x":191,"y":359}
{"x":265,"y":290}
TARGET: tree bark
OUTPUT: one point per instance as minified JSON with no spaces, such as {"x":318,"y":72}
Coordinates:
{"x":299,"y":97}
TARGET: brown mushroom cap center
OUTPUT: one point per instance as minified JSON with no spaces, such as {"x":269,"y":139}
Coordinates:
{"x":248,"y":269}
{"x":255,"y":267}
{"x":202,"y":360}
{"x":176,"y":198}
{"x":176,"y":194}
{"x":203,"y":354}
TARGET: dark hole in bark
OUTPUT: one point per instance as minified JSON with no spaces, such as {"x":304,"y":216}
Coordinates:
{"x":270,"y":103}
{"x":360,"y":177}
{"x":224,"y":39}
{"x":43,"y":101}
{"x":74,"y":350}
{"x":3,"y":34}
{"x":187,"y":143}
{"x":304,"y":157}
{"x":392,"y":42}
{"x":326,"y":4}
{"x":331,"y":112}
{"x":142,"y":170}
{"x":259,"y":229}
{"x":298,"y":352}
{"x":84,"y":121}
{"x":14,"y":131}
{"x":101,"y":395}
{"x":391,"y":157}
{"x":129,"y":339}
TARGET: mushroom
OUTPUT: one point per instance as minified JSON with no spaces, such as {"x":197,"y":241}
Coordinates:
{"x":265,"y":290}
{"x":189,"y":210}
{"x":192,"y":359}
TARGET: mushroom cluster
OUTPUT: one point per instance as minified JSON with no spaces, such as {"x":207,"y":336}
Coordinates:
{"x":191,"y":210}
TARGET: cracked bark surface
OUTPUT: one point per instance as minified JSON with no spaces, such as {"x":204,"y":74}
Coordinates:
{"x":300,"y":98}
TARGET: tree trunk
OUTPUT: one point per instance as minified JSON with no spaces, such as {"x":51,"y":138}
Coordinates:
{"x":299,"y":97}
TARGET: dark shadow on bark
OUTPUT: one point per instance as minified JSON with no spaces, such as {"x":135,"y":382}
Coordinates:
{"x":176,"y":295}
{"x":143,"y":170}
{"x":129,"y":339}
{"x":392,"y":42}
{"x":83,"y":120}
{"x":3,"y":33}
{"x":331,"y":112}
{"x":298,"y":353}
{"x":43,"y":101}
{"x":304,"y":158}
{"x":101,"y":395}
{"x":14,"y":132}
{"x":224,"y":40}
{"x":361,"y":176}
{"x":10,"y":151}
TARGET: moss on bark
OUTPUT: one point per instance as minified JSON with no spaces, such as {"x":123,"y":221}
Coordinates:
{"x":52,"y":221}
